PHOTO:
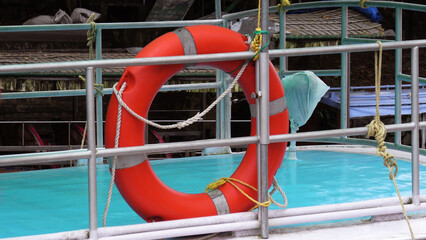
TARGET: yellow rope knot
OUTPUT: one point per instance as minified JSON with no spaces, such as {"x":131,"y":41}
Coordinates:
{"x":256,"y":43}
{"x":216,"y":184}
{"x":282,"y":5}
{"x":377,"y":129}
{"x":362,"y":3}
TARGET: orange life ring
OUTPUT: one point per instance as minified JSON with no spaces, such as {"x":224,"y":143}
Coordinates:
{"x":146,"y":194}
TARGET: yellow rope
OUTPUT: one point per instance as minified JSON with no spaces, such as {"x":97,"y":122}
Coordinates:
{"x":220,"y":182}
{"x":362,"y":3}
{"x":377,"y":129}
{"x":91,"y":38}
{"x":97,"y":86}
{"x":282,"y":5}
{"x":91,"y":35}
{"x":256,"y":44}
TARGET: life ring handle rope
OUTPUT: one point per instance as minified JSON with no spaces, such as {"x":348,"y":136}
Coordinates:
{"x":114,"y":161}
{"x":187,"y":122}
{"x":221,"y":181}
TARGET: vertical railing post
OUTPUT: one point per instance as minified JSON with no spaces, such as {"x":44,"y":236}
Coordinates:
{"x":23,"y":134}
{"x":99,"y":100}
{"x":218,"y":9}
{"x":91,"y":143}
{"x":263,"y":122}
{"x":415,"y":119}
{"x":345,"y":86}
{"x":283,"y":43}
{"x":223,"y":109}
{"x":398,"y":71}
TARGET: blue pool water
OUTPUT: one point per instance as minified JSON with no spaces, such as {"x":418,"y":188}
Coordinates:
{"x":47,"y":201}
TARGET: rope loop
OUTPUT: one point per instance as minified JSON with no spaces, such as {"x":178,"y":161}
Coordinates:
{"x":217,"y":183}
{"x":280,"y":190}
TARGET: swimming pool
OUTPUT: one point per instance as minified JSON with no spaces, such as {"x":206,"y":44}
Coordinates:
{"x":56,"y":200}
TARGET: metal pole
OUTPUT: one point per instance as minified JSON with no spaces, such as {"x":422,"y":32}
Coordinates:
{"x":218,"y":8}
{"x":398,"y":70}
{"x":283,"y":44}
{"x":264,"y":124}
{"x":90,"y":106}
{"x":99,"y":107}
{"x":222,"y":109}
{"x":344,"y":96}
{"x":415,"y":119}
{"x":292,"y":149}
{"x":220,"y":106}
{"x":258,"y":145}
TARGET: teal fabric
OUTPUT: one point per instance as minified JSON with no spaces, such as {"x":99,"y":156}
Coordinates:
{"x":303,"y":91}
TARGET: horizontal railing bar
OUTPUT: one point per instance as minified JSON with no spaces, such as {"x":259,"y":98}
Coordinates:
{"x":350,"y":40}
{"x":366,"y":142}
{"x":345,"y":48}
{"x":229,"y":218}
{"x":330,"y":4}
{"x":22,"y":159}
{"x":42,"y":94}
{"x":67,"y":122}
{"x":407,"y":78}
{"x":82,"y":92}
{"x":39,"y":121}
{"x":248,"y":216}
{"x":280,"y":221}
{"x":337,"y":133}
{"x":38,"y":148}
{"x":193,"y":145}
{"x":328,"y":72}
{"x":172,"y":147}
{"x":205,"y":58}
{"x":105,"y":26}
{"x":358,"y":213}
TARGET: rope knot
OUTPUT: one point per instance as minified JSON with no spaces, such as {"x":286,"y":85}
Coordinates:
{"x":377,"y":129}
{"x":282,"y":5}
{"x":256,"y":44}
{"x":214,"y":185}
{"x":99,"y":87}
{"x":362,"y":3}
{"x":189,"y":121}
{"x":217,"y":183}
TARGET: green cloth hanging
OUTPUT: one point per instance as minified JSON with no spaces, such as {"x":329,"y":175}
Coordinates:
{"x":303,"y":91}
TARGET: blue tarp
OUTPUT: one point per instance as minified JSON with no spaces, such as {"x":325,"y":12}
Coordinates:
{"x":371,"y":12}
{"x":363,"y":103}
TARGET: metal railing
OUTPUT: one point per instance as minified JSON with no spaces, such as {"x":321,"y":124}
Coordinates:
{"x":237,"y":221}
